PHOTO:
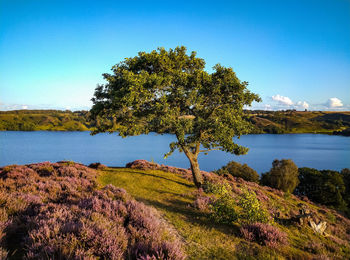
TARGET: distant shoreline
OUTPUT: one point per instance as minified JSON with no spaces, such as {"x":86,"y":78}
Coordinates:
{"x":263,"y":122}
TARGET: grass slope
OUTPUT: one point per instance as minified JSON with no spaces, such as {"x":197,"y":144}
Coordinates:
{"x":173,"y":195}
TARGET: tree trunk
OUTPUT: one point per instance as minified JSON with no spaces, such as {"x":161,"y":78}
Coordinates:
{"x":196,"y":173}
{"x":192,"y":157}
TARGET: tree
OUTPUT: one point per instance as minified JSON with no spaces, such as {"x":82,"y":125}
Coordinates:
{"x":310,"y":183}
{"x":238,"y":170}
{"x":346,"y":178}
{"x":170,"y":92}
{"x":283,"y":175}
{"x":326,"y":187}
{"x":333,"y":189}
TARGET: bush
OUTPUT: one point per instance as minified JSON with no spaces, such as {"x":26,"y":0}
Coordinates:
{"x":217,"y":188}
{"x":264,"y":234}
{"x":225,"y":208}
{"x":252,"y":210}
{"x":223,"y":211}
{"x":221,"y":206}
{"x":236,"y":169}
{"x":97,"y":166}
{"x":283,"y":175}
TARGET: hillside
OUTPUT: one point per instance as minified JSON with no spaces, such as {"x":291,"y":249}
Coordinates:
{"x":273,"y":122}
{"x":276,"y":122}
{"x":44,"y":120}
{"x":66,"y":210}
{"x":174,"y":195}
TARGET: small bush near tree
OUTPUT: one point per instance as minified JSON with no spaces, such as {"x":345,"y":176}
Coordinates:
{"x":236,"y":169}
{"x":223,"y":210}
{"x":283,"y":175}
{"x":252,"y":210}
{"x":217,"y":188}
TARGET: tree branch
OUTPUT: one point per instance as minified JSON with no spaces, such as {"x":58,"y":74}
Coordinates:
{"x":208,"y":150}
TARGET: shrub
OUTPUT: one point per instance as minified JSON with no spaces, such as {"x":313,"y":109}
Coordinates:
{"x":221,"y":205}
{"x":264,"y":234}
{"x":224,"y":207}
{"x":252,"y":210}
{"x":283,"y":175}
{"x":97,"y":166}
{"x":223,"y":210}
{"x":219,"y":188}
{"x":236,"y":169}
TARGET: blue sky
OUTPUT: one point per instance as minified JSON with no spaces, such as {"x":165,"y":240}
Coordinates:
{"x":294,"y":53}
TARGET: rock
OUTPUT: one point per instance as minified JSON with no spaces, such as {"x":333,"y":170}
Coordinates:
{"x":318,"y":228}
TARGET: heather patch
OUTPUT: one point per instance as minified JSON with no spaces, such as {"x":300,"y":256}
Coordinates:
{"x":54,"y":210}
{"x":264,"y":234}
{"x":97,"y":166}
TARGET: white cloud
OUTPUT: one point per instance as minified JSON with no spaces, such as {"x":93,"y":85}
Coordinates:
{"x":267,"y":107}
{"x":286,"y":101}
{"x":24,"y":107}
{"x":334,"y":103}
{"x":302,"y":105}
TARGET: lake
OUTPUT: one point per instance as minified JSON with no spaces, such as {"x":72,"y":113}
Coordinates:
{"x":309,"y":150}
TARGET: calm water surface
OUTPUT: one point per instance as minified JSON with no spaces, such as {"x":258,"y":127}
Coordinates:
{"x":309,"y":150}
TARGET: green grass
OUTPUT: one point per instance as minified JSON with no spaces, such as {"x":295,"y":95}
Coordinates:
{"x":172,"y":196}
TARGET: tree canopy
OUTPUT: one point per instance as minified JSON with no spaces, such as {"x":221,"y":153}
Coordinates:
{"x":283,"y":175}
{"x":170,"y":92}
{"x":326,"y":186}
{"x":238,"y":170}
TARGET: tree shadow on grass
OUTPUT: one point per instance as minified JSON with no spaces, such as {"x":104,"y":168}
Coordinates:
{"x":157,"y":176}
{"x":192,"y":215}
{"x":187,"y":196}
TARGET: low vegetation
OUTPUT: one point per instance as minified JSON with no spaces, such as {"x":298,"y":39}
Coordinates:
{"x":233,"y":218}
{"x":327,"y":187}
{"x":55,"y":211}
{"x":66,"y":210}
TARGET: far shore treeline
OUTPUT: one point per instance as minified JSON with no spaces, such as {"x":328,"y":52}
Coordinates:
{"x":272,"y":122}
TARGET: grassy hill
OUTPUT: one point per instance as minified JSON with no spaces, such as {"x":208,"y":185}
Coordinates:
{"x":275,"y":122}
{"x":299,"y":121}
{"x":174,"y":195}
{"x":44,"y":120}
